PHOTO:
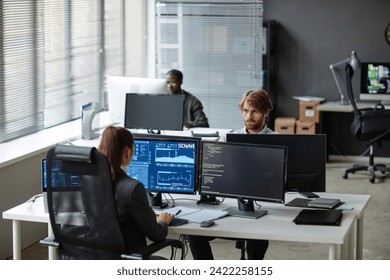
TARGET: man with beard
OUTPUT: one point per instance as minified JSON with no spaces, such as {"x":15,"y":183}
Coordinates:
{"x":255,"y":107}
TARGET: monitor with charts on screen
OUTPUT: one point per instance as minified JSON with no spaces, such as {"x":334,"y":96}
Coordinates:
{"x":165,"y":164}
{"x":64,"y":185}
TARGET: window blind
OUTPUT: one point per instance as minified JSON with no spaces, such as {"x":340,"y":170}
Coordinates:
{"x":21,"y":68}
{"x":218,"y":46}
{"x":114,"y":34}
{"x":73,"y":47}
{"x":54,"y":57}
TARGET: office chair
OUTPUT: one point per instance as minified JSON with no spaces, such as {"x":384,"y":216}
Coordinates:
{"x":82,"y":208}
{"x":241,"y":245}
{"x":370,"y":126}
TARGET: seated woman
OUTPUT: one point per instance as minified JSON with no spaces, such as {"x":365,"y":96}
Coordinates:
{"x":137,"y":219}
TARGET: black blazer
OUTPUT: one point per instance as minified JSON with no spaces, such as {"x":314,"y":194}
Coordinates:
{"x":136,"y":218}
{"x":193,"y":111}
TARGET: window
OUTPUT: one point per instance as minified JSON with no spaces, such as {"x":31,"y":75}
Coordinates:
{"x":21,"y":68}
{"x":218,"y":46}
{"x":55,"y":55}
{"x":72,"y":62}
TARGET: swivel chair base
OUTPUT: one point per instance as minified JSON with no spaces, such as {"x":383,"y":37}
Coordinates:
{"x":370,"y":168}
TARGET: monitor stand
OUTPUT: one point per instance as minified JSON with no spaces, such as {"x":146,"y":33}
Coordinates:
{"x":245,"y":209}
{"x":155,"y":201}
{"x":208,"y":199}
{"x":153,"y":131}
{"x":384,"y":103}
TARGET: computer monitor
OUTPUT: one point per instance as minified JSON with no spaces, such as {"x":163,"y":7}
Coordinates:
{"x":306,"y":164}
{"x":244,"y":171}
{"x":66,"y":188}
{"x":118,"y":87}
{"x":375,"y":81}
{"x":165,"y":164}
{"x":154,"y":112}
{"x":59,"y":178}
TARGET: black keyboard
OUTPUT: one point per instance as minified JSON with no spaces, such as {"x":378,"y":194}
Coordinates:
{"x":177,"y":222}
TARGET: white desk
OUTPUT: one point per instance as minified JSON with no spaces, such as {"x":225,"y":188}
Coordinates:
{"x":276,"y":225}
{"x":359,"y":204}
{"x":28,"y":212}
{"x":186,"y":133}
{"x":334,"y":106}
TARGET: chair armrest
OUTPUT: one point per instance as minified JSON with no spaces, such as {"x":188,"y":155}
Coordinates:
{"x":49,"y":241}
{"x":147,"y":251}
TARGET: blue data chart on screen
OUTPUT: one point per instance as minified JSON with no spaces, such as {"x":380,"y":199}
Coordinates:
{"x":164,"y":166}
{"x":58,"y":178}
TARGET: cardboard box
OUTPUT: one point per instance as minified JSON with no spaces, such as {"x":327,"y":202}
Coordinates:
{"x":285,"y":125}
{"x":305,"y":127}
{"x":308,"y":111}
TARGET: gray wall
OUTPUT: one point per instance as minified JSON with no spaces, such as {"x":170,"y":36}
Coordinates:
{"x":313,"y":34}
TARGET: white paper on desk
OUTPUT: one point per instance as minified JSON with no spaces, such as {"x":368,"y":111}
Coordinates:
{"x":174,"y":210}
{"x":204,"y":215}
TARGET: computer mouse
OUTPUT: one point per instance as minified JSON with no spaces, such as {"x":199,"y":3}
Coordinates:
{"x":207,"y":223}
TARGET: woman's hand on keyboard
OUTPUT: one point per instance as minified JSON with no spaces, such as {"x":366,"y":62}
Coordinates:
{"x":165,"y":217}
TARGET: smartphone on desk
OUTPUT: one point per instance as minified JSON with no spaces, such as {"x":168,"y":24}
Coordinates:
{"x":308,"y":194}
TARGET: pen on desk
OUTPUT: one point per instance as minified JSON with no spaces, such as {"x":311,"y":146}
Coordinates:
{"x":178,"y":212}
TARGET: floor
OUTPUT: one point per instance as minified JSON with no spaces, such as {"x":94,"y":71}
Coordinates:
{"x":376,"y":224}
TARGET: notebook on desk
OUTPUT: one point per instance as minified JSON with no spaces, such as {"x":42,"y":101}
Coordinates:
{"x":66,"y":190}
{"x":328,"y":203}
{"x":319,"y":217}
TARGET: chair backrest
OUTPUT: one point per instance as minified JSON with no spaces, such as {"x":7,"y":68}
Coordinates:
{"x":89,"y":231}
{"x":369,"y":124}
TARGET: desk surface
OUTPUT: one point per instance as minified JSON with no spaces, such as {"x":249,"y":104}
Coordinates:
{"x":333,"y":106}
{"x":276,"y":225}
{"x":187,"y":133}
{"x":28,"y":211}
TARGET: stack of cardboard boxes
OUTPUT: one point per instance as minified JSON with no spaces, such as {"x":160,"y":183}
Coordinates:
{"x":308,"y":120}
{"x":285,"y":125}
{"x":309,"y":117}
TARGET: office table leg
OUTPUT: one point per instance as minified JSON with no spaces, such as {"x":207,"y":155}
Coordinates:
{"x":359,"y":238}
{"x":16,"y":240}
{"x":52,"y":251}
{"x":347,"y":249}
{"x":333,"y":252}
{"x":344,"y":251}
{"x":352,"y":243}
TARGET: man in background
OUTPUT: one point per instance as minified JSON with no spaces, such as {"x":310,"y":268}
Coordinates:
{"x":193,"y":109}
{"x":255,"y":106}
